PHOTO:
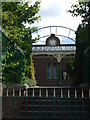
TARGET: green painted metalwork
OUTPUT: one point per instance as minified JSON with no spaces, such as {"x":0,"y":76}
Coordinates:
{"x":32,"y":107}
{"x":59,"y":81}
{"x":83,"y":108}
{"x":40,"y":107}
{"x":46,"y":107}
{"x":76,"y":116}
{"x":13,"y":101}
{"x":26,"y":107}
{"x":55,"y":101}
{"x":54,"y":107}
{"x":69,"y":112}
{"x":62,"y":108}
{"x":7,"y":105}
{"x":20,"y":98}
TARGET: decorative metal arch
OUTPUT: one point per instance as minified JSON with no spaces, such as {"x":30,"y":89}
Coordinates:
{"x":56,"y":27}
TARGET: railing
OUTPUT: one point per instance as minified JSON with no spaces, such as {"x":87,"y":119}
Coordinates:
{"x":46,"y":91}
{"x":63,"y":103}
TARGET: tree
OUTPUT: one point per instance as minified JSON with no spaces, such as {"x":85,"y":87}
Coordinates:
{"x":14,"y":17}
{"x":82,"y":40}
{"x":81,"y":9}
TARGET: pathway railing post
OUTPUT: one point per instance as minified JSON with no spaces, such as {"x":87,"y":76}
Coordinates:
{"x":20,"y":101}
{"x":68,"y":93}
{"x":47,"y":92}
{"x":13,"y":92}
{"x":69,"y":112}
{"x":61,"y":104}
{"x":40,"y":92}
{"x":40,"y":103}
{"x":76,"y":103}
{"x":20,"y":93}
{"x":33,"y":96}
{"x":26,"y":92}
{"x":7,"y":92}
{"x":83,"y":104}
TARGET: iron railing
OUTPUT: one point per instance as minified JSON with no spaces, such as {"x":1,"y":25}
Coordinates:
{"x":46,"y":103}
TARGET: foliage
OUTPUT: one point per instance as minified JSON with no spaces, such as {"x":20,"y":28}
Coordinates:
{"x":82,"y":41}
{"x":81,"y":9}
{"x":70,"y":67}
{"x":14,"y":17}
{"x":12,"y":68}
{"x":32,"y":68}
{"x":30,"y":82}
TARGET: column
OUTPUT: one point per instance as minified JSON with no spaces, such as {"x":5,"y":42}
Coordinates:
{"x":59,"y":57}
{"x":59,"y":80}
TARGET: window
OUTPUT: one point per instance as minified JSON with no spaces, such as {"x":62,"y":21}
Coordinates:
{"x":64,"y":75}
{"x":52,"y":71}
{"x":49,"y":71}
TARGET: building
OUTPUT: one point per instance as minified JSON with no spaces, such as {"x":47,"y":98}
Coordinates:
{"x":50,"y":62}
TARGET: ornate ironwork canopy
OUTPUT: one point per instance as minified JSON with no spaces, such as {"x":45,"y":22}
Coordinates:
{"x":59,"y":31}
{"x":57,"y":48}
{"x":42,"y":49}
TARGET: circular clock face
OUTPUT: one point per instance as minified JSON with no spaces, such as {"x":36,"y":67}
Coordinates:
{"x":52,"y":42}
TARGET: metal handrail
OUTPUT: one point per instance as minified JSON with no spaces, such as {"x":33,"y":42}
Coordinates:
{"x":68,"y":88}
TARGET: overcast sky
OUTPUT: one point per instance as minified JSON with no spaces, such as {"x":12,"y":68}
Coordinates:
{"x":53,"y":12}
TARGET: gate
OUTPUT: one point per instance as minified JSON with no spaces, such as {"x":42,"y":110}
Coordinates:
{"x":46,"y":103}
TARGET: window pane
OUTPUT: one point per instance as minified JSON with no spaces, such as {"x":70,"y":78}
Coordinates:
{"x":54,"y":70}
{"x":49,"y":71}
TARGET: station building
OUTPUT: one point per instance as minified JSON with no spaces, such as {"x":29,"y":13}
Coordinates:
{"x":50,"y":62}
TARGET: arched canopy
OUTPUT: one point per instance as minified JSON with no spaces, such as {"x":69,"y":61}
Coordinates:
{"x":63,"y":33}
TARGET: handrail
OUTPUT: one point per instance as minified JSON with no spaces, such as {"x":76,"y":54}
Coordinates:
{"x":61,"y":90}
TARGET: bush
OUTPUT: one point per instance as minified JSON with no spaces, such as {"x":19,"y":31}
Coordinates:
{"x":30,"y":82}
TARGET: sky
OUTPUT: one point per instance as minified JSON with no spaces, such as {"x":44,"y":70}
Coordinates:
{"x":54,"y":13}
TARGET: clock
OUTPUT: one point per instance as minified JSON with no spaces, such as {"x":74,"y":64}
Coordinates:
{"x":52,"y":42}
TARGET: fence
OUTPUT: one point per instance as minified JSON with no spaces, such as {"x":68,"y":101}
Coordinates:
{"x":46,"y":103}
